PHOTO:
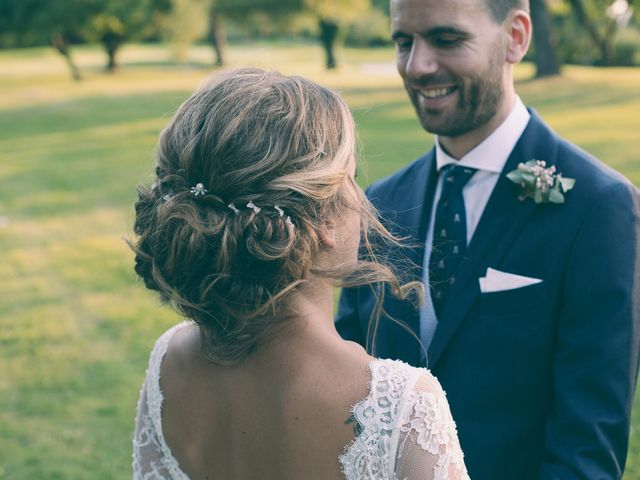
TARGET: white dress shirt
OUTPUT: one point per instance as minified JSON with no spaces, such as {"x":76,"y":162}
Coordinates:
{"x":489,"y":158}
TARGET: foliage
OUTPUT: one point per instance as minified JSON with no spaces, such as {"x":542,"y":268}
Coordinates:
{"x":331,"y":15}
{"x":119,"y":21}
{"x":627,"y":47}
{"x":34,"y":22}
{"x":369,"y":30}
{"x":576,"y":47}
{"x":597,"y":22}
{"x":62,"y":22}
{"x":185,"y":23}
{"x":126,"y":19}
{"x":338,"y":11}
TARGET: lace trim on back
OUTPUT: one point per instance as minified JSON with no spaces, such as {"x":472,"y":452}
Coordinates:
{"x":155,"y":399}
{"x":395,"y":420}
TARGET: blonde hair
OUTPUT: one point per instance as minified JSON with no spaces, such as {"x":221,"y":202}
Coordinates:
{"x":250,"y":135}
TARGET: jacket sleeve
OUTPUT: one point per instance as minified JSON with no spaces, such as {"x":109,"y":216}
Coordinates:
{"x":595,"y":363}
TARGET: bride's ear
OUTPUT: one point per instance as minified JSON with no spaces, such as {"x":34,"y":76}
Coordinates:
{"x":518,"y":26}
{"x":327,"y":234}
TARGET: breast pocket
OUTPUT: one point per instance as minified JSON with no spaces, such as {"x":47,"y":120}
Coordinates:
{"x":512,"y":333}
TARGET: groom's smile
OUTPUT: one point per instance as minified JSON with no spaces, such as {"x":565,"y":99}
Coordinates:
{"x":436,"y":98}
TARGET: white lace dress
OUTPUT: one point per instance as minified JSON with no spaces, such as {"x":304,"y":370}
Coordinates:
{"x":405,"y":428}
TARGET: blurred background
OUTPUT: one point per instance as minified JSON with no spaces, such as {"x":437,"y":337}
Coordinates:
{"x":85,"y":87}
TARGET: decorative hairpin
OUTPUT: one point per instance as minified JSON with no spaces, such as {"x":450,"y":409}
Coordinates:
{"x":253,"y":207}
{"x":281,"y":213}
{"x":198,"y":190}
{"x":167,"y":197}
{"x":289,"y":222}
{"x":234,"y":208}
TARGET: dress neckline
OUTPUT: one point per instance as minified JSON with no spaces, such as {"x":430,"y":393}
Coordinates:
{"x":155,"y":400}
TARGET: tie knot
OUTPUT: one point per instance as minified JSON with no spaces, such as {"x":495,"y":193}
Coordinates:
{"x":455,"y":177}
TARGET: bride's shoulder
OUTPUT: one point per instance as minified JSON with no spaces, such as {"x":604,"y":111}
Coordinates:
{"x":170,"y":339}
{"x":406,"y":377}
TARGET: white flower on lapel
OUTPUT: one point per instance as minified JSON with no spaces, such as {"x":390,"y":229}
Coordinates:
{"x":540,"y":182}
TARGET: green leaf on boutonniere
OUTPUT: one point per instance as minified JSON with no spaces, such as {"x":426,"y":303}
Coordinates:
{"x":555,"y":196}
{"x":541,"y":183}
{"x":515,"y":176}
{"x":567,"y":183}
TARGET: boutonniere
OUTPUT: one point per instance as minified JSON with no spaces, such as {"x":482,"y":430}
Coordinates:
{"x":540,"y":182}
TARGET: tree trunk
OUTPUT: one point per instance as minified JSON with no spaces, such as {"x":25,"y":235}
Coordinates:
{"x":217,"y":37}
{"x":328,"y":34}
{"x":545,"y":54}
{"x":60,"y":43}
{"x":111,"y":50}
{"x":111,"y":43}
{"x":604,"y":43}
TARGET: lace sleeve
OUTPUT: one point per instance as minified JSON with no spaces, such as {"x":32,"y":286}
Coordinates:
{"x":147,"y":448}
{"x":428,"y":446}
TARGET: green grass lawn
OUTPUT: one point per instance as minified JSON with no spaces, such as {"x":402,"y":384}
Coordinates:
{"x":75,"y":325}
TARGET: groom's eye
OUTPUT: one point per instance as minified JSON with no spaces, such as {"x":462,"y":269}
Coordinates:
{"x":403,"y":44}
{"x":447,"y":41}
{"x":402,"y":40}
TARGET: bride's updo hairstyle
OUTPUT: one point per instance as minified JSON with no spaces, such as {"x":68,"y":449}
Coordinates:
{"x":282,"y":143}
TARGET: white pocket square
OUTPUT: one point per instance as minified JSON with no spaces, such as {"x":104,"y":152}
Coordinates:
{"x":497,"y":281}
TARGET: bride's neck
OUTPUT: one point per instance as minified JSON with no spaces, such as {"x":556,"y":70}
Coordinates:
{"x":307,"y":318}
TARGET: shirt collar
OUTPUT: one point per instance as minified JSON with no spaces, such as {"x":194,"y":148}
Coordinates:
{"x":491,"y":155}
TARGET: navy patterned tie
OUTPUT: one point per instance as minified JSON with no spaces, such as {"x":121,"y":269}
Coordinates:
{"x":449,"y":233}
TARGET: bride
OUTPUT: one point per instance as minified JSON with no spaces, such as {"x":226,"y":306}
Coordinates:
{"x":253,"y":218}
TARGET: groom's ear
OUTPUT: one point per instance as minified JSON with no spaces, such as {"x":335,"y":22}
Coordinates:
{"x":518,"y":25}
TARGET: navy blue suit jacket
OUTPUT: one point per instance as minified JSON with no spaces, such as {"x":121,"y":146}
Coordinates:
{"x":540,"y":379}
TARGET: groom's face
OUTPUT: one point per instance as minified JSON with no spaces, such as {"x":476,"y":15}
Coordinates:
{"x":451,"y":57}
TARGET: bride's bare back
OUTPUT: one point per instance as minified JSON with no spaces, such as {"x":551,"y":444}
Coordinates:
{"x":282,"y":417}
{"x":285,"y":416}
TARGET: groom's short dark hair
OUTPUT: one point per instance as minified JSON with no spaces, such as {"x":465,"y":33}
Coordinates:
{"x":501,"y":8}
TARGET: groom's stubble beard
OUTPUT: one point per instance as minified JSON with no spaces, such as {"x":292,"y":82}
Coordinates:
{"x":478,"y":102}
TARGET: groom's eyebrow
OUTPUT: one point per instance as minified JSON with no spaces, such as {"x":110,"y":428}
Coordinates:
{"x":432,"y":32}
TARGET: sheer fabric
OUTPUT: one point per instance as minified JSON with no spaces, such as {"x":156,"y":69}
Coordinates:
{"x":405,"y":429}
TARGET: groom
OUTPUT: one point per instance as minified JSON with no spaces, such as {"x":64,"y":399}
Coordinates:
{"x":532,"y":318}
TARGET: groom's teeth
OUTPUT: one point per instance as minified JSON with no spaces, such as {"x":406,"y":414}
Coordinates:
{"x":435,"y":93}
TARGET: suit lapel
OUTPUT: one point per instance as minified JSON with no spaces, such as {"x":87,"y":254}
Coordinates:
{"x":409,"y":211}
{"x":416,"y":212}
{"x":501,"y":221}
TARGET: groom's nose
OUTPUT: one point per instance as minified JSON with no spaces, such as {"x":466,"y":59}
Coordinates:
{"x":422,"y":60}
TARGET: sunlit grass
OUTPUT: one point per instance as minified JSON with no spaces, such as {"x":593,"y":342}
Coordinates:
{"x":75,"y":324}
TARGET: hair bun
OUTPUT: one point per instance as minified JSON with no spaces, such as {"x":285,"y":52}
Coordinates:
{"x":248,"y":169}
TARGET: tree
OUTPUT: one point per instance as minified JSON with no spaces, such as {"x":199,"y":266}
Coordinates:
{"x":185,"y":23}
{"x":240,"y":11}
{"x":33,"y":22}
{"x":331,"y":15}
{"x":601,"y":20}
{"x":546,"y":59}
{"x":217,"y":35}
{"x":62,"y":22}
{"x":118,"y":21}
